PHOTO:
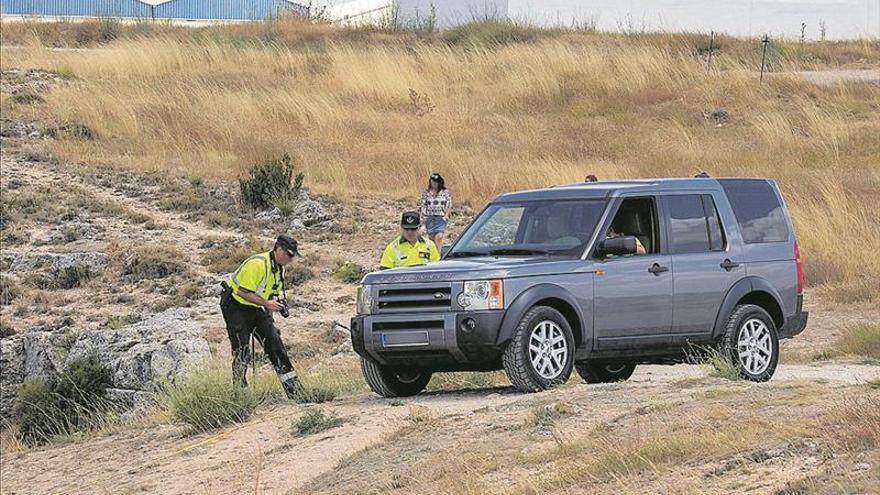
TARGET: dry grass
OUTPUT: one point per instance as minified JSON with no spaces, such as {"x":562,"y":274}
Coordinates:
{"x":492,"y":118}
{"x":862,"y":339}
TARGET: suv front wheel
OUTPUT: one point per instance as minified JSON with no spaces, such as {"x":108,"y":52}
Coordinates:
{"x":392,"y":382}
{"x":541,"y":353}
{"x":751,"y":343}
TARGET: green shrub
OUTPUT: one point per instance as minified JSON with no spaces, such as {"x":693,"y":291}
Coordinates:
{"x":314,"y":421}
{"x":75,"y":402}
{"x":493,"y":32}
{"x":862,"y":339}
{"x":6,"y":330}
{"x":72,"y":276}
{"x":718,"y":364}
{"x":207,"y":399}
{"x":314,"y":394}
{"x":27,"y":98}
{"x":298,"y":273}
{"x":116,"y":322}
{"x":9,"y":290}
{"x":153,"y":262}
{"x":271,"y":183}
{"x":348,"y":271}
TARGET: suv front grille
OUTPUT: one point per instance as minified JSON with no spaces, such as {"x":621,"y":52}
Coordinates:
{"x":422,"y":298}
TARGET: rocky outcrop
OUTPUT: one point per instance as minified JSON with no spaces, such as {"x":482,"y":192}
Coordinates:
{"x":306,"y":213}
{"x":54,"y":264}
{"x":138,"y":356}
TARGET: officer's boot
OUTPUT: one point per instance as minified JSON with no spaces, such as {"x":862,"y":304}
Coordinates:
{"x":292,"y":387}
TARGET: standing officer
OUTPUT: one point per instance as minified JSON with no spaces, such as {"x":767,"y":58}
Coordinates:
{"x":250,"y":296}
{"x":409,"y":249}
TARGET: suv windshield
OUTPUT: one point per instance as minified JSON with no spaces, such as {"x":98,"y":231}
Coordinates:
{"x":552,"y":227}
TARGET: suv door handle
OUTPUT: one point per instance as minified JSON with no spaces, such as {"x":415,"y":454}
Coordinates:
{"x":656,"y":269}
{"x":729,"y":265}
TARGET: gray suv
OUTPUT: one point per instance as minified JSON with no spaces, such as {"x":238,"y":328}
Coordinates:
{"x":596,"y":277}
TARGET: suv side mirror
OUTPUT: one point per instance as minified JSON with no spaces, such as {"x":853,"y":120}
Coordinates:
{"x":444,"y":250}
{"x":617,"y":246}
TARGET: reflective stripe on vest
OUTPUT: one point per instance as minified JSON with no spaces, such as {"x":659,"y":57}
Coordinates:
{"x":398,"y":256}
{"x":265,"y":281}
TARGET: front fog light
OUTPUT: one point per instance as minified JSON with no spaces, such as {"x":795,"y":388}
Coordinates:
{"x":482,"y":294}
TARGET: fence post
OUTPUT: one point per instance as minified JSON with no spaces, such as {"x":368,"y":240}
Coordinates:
{"x":711,"y":49}
{"x":764,"y":41}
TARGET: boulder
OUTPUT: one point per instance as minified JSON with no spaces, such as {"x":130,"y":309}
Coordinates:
{"x":55,"y":263}
{"x":147,"y":352}
{"x":138,"y":356}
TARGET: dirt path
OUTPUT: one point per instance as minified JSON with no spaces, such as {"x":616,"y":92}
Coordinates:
{"x":263,"y":456}
{"x":832,"y":77}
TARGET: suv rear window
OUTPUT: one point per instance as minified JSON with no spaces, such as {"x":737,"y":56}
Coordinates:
{"x":758,"y":212}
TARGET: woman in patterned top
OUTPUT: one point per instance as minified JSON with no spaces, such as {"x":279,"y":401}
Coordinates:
{"x":435,"y":205}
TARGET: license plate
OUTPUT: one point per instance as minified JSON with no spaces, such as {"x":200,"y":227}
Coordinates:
{"x":405,"y":339}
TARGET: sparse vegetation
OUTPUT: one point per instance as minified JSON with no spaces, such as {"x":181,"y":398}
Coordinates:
{"x":207,"y":399}
{"x":348,"y":271}
{"x":314,"y":421}
{"x":579,"y":99}
{"x":153,"y":261}
{"x":73,"y":403}
{"x":862,"y":339}
{"x":272,"y":183}
{"x":9,"y":290}
{"x":118,"y":321}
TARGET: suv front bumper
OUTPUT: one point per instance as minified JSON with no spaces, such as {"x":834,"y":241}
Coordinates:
{"x":440,"y":341}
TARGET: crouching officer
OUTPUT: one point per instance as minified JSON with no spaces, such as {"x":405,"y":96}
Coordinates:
{"x":250,"y":296}
{"x":409,"y":249}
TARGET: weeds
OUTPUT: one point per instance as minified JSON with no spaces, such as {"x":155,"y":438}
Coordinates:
{"x":153,"y":261}
{"x":716,"y":363}
{"x":118,"y":321}
{"x":272,"y":183}
{"x":9,"y":290}
{"x":348,"y":271}
{"x":314,"y":421}
{"x":862,"y":339}
{"x":73,"y":403}
{"x":207,"y":399}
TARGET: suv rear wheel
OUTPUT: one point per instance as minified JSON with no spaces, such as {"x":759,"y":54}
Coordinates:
{"x":541,"y":353}
{"x":750,"y":341}
{"x":394,"y":382}
{"x":604,"y":371}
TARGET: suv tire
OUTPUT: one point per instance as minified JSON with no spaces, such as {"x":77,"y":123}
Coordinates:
{"x":392,"y":382}
{"x":541,"y":353}
{"x":604,"y":371}
{"x":750,"y":342}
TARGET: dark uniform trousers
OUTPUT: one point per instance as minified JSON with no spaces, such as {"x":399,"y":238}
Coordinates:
{"x":241,"y":321}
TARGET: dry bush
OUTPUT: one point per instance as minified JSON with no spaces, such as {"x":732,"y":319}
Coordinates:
{"x":540,"y":107}
{"x":862,"y":339}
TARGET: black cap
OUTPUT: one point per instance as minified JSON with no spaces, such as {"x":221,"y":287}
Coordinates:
{"x":287,"y":243}
{"x":410,"y":220}
{"x":436,"y":177}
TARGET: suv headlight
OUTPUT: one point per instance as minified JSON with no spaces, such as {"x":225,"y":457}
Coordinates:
{"x":364,"y":301}
{"x":482,"y":294}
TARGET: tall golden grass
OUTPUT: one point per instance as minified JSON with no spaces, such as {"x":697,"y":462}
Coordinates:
{"x":372,"y":113}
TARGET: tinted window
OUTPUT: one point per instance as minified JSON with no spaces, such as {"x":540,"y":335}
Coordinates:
{"x":716,"y":233}
{"x":757,"y":209}
{"x":687,"y":222}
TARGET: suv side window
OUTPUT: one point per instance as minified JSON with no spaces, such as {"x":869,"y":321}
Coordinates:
{"x":687,"y":224}
{"x":757,"y":209}
{"x":716,"y":233}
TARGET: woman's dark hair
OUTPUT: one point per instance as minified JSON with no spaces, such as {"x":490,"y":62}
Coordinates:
{"x":441,"y":184}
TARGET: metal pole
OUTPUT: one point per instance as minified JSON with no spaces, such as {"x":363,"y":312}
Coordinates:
{"x":253,"y":358}
{"x":764,"y":41}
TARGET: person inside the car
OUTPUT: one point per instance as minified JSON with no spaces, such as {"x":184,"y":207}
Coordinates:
{"x":640,"y":249}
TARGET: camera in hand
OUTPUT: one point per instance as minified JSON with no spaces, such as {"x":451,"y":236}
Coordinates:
{"x":285,"y":309}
